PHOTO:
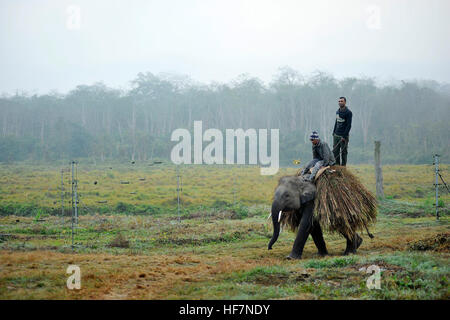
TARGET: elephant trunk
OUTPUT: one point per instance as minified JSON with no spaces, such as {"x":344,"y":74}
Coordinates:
{"x":276,"y":224}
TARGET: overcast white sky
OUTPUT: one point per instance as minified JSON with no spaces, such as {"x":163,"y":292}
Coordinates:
{"x":45,"y":47}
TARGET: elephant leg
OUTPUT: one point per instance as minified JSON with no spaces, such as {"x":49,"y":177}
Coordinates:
{"x":349,"y":245}
{"x":317,"y":235}
{"x":357,"y":242}
{"x":303,"y":232}
{"x":352,"y":243}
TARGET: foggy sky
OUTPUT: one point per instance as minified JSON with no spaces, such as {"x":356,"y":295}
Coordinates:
{"x":43,"y":48}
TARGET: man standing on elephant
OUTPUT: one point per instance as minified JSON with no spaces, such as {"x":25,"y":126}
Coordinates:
{"x":322,"y":156}
{"x":341,"y":132}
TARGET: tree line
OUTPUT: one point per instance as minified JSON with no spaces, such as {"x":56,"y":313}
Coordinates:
{"x":99,"y":123}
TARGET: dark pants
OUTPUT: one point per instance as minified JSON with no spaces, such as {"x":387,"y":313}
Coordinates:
{"x":314,"y":165}
{"x":340,"y":150}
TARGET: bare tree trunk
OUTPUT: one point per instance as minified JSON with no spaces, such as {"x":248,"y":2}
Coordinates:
{"x":269,"y":118}
{"x":378,"y":171}
{"x":108,"y":117}
{"x":293,"y":116}
{"x":366,"y":115}
{"x":120,"y":132}
{"x":133,"y":131}
{"x":42,"y":131}
{"x":83,"y":115}
{"x":17,"y":134}
{"x":147,"y":123}
{"x":190,"y":115}
{"x":5,"y":123}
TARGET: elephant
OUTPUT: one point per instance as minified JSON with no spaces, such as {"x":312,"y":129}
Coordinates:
{"x":293,"y":193}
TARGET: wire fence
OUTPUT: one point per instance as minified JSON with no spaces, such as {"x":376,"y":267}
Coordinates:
{"x":74,"y":198}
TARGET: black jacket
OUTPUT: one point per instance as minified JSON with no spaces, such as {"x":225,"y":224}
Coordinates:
{"x":322,"y":151}
{"x":343,"y":122}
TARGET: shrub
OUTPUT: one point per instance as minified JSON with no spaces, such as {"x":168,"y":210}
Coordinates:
{"x":239,"y":211}
{"x":122,"y":207}
{"x":220,"y":204}
{"x":120,"y":242}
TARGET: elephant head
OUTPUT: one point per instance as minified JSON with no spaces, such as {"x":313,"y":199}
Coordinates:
{"x":291,"y":193}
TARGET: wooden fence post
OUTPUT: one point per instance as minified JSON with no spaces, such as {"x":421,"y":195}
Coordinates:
{"x":378,"y":171}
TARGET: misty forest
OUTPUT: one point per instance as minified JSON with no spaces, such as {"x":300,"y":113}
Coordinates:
{"x":98,"y":123}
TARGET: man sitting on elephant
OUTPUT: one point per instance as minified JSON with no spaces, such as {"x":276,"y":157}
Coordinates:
{"x":322,"y":156}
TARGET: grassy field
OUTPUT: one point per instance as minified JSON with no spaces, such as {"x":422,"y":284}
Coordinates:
{"x":24,"y":189}
{"x":134,"y":247}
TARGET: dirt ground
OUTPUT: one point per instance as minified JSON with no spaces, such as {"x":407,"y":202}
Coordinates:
{"x":236,"y":268}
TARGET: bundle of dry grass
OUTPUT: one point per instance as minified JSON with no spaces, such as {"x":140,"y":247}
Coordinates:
{"x":342,"y":203}
{"x":290,"y":220}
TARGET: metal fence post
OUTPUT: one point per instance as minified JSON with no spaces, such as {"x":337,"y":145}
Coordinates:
{"x":436,"y":183}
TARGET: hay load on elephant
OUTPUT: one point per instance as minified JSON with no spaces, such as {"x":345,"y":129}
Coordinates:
{"x":342,"y":204}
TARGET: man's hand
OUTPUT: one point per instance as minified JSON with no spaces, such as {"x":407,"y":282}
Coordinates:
{"x":343,"y":140}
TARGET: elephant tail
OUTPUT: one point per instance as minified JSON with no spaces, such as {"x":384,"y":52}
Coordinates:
{"x":369,"y":234}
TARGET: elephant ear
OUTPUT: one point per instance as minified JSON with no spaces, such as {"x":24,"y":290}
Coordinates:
{"x":307,"y":192}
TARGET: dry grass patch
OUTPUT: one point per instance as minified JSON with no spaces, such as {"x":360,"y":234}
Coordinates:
{"x":439,"y":243}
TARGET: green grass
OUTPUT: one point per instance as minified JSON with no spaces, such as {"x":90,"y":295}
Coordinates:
{"x":218,"y":250}
{"x":331,"y":263}
{"x":25,"y":189}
